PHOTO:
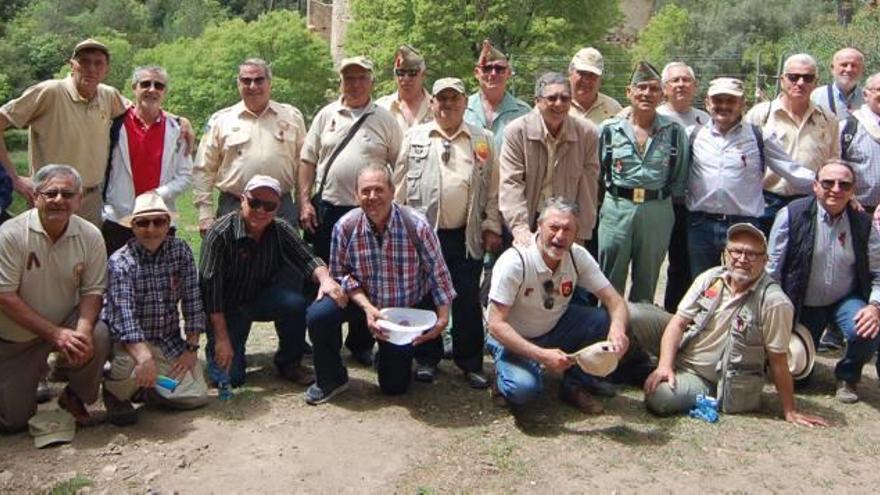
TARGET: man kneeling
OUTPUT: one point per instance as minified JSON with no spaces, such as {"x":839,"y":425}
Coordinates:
{"x":532,"y":323}
{"x":732,"y":320}
{"x":148,"y":277}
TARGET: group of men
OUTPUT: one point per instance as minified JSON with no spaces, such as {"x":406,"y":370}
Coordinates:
{"x":409,"y":201}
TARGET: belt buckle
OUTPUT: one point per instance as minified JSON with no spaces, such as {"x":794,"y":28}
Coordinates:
{"x":638,"y":195}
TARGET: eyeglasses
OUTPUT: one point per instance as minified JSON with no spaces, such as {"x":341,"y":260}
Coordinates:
{"x":447,"y":145}
{"x":143,"y":223}
{"x":843,"y":185}
{"x":54,"y":193}
{"x":548,"y":294}
{"x":498,"y":69}
{"x":406,"y":72}
{"x":158,"y":86}
{"x":256,"y":81}
{"x":555,"y":98}
{"x":267,"y":206}
{"x":737,"y":253}
{"x":793,"y":78}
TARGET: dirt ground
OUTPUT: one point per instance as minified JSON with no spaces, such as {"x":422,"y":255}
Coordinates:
{"x":446,"y":437}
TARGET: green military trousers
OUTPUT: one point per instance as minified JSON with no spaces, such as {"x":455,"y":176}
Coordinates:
{"x":637,"y":232}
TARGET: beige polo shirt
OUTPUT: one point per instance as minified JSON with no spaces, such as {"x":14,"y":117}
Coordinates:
{"x":65,"y":128}
{"x":703,"y":354}
{"x":377,"y":141}
{"x":392,"y":104}
{"x":603,"y":108}
{"x":240,"y":144}
{"x":49,"y":277}
{"x":810,"y":142}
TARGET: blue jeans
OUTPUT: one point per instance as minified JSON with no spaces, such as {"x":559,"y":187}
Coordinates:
{"x":858,"y":349}
{"x":707,"y":237}
{"x":278,"y":303}
{"x":520,"y":380}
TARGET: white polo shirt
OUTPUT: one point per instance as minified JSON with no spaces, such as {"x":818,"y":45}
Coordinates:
{"x":519,"y":278}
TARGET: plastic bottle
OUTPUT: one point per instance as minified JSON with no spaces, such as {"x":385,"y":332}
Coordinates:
{"x":224,"y":390}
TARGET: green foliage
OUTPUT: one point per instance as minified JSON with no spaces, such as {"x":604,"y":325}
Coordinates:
{"x":202,"y":70}
{"x":665,"y":33}
{"x":537,"y":35}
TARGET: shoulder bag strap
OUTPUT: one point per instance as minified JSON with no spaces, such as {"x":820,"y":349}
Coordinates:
{"x":338,"y":149}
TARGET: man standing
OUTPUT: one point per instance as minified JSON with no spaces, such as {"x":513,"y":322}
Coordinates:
{"x":826,"y":255}
{"x":679,"y":88}
{"x":385,"y":256}
{"x":732,"y":321}
{"x":147,"y":155}
{"x":808,"y":133}
{"x":246,"y":259}
{"x":53,"y":271}
{"x":532,"y":324}
{"x":492,"y":107}
{"x":448,"y":171}
{"x":585,"y":76}
{"x":410,"y":104}
{"x":548,"y":153}
{"x":843,"y":95}
{"x":728,"y":160}
{"x":644,"y":163}
{"x":148,"y":278}
{"x":860,"y":145}
{"x":67,"y":121}
{"x":256,"y":136}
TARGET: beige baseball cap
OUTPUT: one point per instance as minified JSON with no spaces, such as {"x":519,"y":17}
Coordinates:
{"x":597,"y":359}
{"x":90,"y":44}
{"x":52,"y":428}
{"x":258,"y":181}
{"x":359,"y":61}
{"x":726,"y":86}
{"x":747,"y":228}
{"x":448,"y":83}
{"x":588,"y":59}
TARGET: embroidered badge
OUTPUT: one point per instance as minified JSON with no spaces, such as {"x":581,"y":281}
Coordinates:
{"x":528,"y":291}
{"x":618,"y":166}
{"x":841,"y":238}
{"x":32,"y":260}
{"x":481,"y":150}
{"x":566,"y":288}
{"x":77,"y":272}
{"x":712,"y":291}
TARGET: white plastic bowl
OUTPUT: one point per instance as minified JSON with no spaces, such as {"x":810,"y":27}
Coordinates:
{"x":403,"y":325}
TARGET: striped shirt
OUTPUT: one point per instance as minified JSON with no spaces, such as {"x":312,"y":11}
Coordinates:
{"x":864,"y":153}
{"x":387,"y":266}
{"x":234,"y":267}
{"x":143,"y":292}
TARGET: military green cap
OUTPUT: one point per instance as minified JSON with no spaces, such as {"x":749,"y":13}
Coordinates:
{"x":644,"y":72}
{"x":408,"y":58}
{"x":490,"y":54}
{"x":52,"y":428}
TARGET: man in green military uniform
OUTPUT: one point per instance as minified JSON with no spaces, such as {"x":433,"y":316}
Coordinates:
{"x":644,"y":163}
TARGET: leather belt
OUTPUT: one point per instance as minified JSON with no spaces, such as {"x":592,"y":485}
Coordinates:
{"x":638,"y":194}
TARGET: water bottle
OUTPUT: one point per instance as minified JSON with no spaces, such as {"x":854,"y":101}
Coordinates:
{"x":168,"y":383}
{"x":224,"y":390}
{"x":705,"y":409}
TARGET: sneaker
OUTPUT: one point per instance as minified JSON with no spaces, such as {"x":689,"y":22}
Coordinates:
{"x":476,"y":380}
{"x":298,"y":374}
{"x":579,"y":398}
{"x":44,"y":392}
{"x":831,"y":340}
{"x":363,"y":356}
{"x":119,"y":412}
{"x":425,"y":373}
{"x":315,"y":395}
{"x":846,"y":392}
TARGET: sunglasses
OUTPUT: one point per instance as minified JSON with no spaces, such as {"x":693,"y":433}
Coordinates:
{"x":548,"y":294}
{"x":498,"y":69}
{"x":247,"y":81}
{"x":447,"y":145}
{"x":406,"y":72}
{"x":267,"y":206}
{"x":143,"y":223}
{"x":737,"y":253}
{"x":793,"y":78}
{"x":843,"y":185}
{"x":555,"y":98}
{"x":159,"y":86}
{"x":54,"y":193}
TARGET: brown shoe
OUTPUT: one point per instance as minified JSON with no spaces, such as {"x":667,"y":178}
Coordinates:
{"x":72,"y":404}
{"x":581,"y":399}
{"x":298,"y":374}
{"x":497,"y":397}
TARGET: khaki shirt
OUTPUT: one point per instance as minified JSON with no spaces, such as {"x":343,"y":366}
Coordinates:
{"x":392,"y":104}
{"x":702,"y":354}
{"x":49,"y":277}
{"x":377,"y":141}
{"x":603,"y":108}
{"x":455,"y":177}
{"x":809,"y":143}
{"x":65,"y":128}
{"x":240,"y":144}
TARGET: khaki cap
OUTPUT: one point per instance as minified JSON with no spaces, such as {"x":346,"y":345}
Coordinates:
{"x":448,"y":83}
{"x":51,"y":428}
{"x":598,"y":359}
{"x":726,"y":86}
{"x":747,"y":228}
{"x":359,"y":61}
{"x":259,"y":181}
{"x":90,"y":44}
{"x":588,"y":59}
{"x":408,"y":58}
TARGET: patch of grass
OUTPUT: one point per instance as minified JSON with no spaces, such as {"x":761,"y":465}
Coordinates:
{"x":71,"y":486}
{"x":241,"y":405}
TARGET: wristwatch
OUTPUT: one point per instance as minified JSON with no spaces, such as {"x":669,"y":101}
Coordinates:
{"x":192,"y":347}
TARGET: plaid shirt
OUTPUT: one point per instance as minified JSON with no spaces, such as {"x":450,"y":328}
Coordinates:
{"x":387,"y":266}
{"x":143,"y":292}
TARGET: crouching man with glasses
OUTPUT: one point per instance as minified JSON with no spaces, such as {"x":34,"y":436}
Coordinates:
{"x":246,"y":261}
{"x":532,"y":324}
{"x":826,"y":256}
